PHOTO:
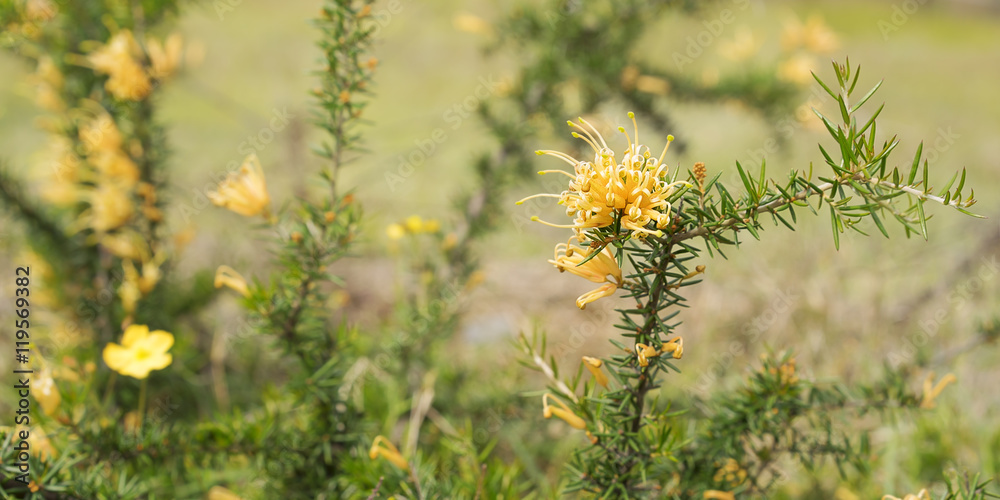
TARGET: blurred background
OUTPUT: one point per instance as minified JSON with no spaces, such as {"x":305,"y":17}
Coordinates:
{"x":845,"y":313}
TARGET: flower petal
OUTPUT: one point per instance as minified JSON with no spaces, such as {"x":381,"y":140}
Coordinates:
{"x":134,"y":334}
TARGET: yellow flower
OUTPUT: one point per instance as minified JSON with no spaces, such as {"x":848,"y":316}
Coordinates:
{"x":562,"y":411}
{"x":244,"y":192}
{"x":798,"y":69}
{"x":100,"y":134}
{"x":431,"y":226}
{"x":471,"y":23}
{"x":165,"y":58}
{"x":673,"y":346}
{"x":382,"y":447}
{"x":140,"y":352}
{"x":126,"y":244}
{"x":220,"y":493}
{"x":643,"y":352}
{"x":227,"y":276}
{"x":932,"y":392}
{"x":594,"y":366}
{"x":634,"y":191}
{"x":39,"y":10}
{"x":127,"y":80}
{"x":569,"y":258}
{"x":414,"y":224}
{"x":110,"y":208}
{"x":814,"y":36}
{"x":719,"y":495}
{"x":46,"y":392}
{"x":395,"y":231}
{"x":742,"y":47}
{"x":921,"y":495}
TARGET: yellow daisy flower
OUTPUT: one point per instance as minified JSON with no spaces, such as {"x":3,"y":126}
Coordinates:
{"x":633,"y":190}
{"x":140,"y":352}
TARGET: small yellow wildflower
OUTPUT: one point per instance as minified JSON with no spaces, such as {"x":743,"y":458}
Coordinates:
{"x":594,"y":366}
{"x":244,"y":192}
{"x":652,"y":85}
{"x":634,"y":191}
{"x":140,"y":352}
{"x":414,"y":224}
{"x":382,"y":447}
{"x":932,"y":392}
{"x":562,"y":411}
{"x":227,"y":276}
{"x":570,"y":258}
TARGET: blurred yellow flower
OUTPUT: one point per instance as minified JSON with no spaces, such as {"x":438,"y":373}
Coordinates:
{"x":634,"y":191}
{"x":395,"y":231}
{"x":382,"y":447}
{"x":931,"y":392}
{"x":815,"y":36}
{"x":719,"y":495}
{"x":110,"y":208}
{"x":244,"y":192}
{"x":39,"y":10}
{"x":46,"y":392}
{"x":743,"y":46}
{"x":594,"y":366}
{"x":414,"y":224}
{"x":126,"y":244}
{"x":921,"y":495}
{"x":797,"y":69}
{"x":127,"y":78}
{"x":115,"y":166}
{"x":562,"y":411}
{"x":164,"y":58}
{"x":227,"y":276}
{"x":220,"y":493}
{"x":431,"y":226}
{"x":100,"y":134}
{"x":570,"y":258}
{"x":140,"y":352}
{"x":471,"y":23}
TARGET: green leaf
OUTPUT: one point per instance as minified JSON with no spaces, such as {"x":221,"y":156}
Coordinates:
{"x":923,"y":218}
{"x":916,"y":165}
{"x":835,"y":222}
{"x":867,"y":96}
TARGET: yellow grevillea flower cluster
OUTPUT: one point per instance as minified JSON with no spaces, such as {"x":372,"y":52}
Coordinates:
{"x":633,"y":191}
{"x":122,"y":59}
{"x":382,"y":447}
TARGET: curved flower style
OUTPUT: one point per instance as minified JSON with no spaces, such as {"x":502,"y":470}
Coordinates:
{"x":571,"y":258}
{"x":140,"y":352}
{"x":244,"y":192}
{"x":634,"y":190}
{"x":227,"y":276}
